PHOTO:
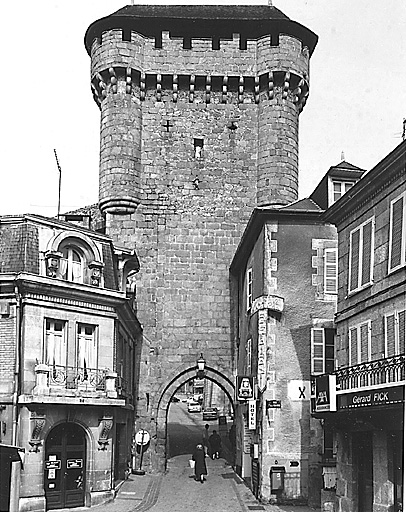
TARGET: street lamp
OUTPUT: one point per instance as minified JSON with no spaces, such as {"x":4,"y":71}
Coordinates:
{"x":200,"y":367}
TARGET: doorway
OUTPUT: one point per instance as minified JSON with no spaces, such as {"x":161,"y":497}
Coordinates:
{"x":64,"y":467}
{"x":362,"y":442}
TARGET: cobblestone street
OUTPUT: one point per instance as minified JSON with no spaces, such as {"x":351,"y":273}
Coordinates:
{"x":177,"y":491}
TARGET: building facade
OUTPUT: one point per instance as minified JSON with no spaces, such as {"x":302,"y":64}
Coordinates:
{"x":362,"y":401}
{"x":69,"y":353}
{"x":199,"y":125}
{"x":284,"y":274}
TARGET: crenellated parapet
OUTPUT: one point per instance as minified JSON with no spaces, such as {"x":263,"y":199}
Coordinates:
{"x":226,"y":89}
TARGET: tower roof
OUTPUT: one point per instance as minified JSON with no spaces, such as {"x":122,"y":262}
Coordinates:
{"x":202,"y":21}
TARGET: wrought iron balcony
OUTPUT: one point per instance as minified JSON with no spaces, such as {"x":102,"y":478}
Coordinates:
{"x":70,"y":377}
{"x":371,"y":373}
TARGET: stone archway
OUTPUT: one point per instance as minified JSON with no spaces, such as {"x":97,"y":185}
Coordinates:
{"x":164,"y":400}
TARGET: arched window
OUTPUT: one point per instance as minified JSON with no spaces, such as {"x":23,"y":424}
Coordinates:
{"x":72,"y":264}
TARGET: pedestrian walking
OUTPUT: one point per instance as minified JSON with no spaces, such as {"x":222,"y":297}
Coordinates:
{"x":199,"y":457}
{"x":215,"y":444}
{"x":206,"y":442}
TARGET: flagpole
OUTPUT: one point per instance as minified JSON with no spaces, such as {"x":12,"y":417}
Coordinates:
{"x":60,"y":178}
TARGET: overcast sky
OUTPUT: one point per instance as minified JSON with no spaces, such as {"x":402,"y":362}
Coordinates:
{"x":357,"y":94}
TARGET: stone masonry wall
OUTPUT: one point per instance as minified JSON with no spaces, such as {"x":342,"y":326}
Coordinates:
{"x":209,"y":153}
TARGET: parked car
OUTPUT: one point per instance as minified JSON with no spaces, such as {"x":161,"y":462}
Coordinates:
{"x":194,"y":407}
{"x":210,"y":413}
{"x":175,"y":399}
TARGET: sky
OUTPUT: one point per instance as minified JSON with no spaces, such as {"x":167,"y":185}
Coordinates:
{"x":356,"y":106}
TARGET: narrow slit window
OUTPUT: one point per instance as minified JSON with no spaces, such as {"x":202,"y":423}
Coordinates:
{"x":198,"y":148}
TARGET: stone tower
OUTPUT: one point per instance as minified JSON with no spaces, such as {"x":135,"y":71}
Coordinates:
{"x":199,"y":125}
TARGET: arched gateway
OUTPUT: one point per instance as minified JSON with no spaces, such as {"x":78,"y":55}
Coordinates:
{"x":164,"y":399}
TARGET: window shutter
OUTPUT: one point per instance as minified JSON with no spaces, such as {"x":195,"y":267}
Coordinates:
{"x":396,"y":233}
{"x":317,"y":350}
{"x":364,"y":342}
{"x":330,"y":271}
{"x":353,"y":353}
{"x":354,"y":259}
{"x":402,"y":331}
{"x":366,"y":253}
{"x":390,"y":335}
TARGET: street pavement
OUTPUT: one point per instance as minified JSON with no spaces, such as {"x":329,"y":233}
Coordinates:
{"x":177,"y":491}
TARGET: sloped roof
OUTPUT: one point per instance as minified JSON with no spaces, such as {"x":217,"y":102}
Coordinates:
{"x":202,"y":21}
{"x":224,"y":12}
{"x":303,"y":205}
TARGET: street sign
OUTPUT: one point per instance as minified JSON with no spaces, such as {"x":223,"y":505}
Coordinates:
{"x":273,"y":404}
{"x":52,"y":464}
{"x":142,"y":437}
{"x":74,"y":463}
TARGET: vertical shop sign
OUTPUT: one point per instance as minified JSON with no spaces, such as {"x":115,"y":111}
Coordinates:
{"x":261,"y":375}
{"x":252,"y":414}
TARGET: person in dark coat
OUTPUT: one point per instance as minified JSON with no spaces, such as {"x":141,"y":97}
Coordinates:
{"x":200,"y":463}
{"x":215,"y":444}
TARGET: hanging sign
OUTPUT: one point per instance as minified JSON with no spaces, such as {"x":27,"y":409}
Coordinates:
{"x":245,"y":387}
{"x":326,"y":393}
{"x":252,"y":414}
{"x":261,"y":374}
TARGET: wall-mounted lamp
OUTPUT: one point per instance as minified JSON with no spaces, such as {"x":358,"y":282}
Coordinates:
{"x":200,"y":366}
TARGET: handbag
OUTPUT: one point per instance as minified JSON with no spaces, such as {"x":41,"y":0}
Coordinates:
{"x":192,"y":463}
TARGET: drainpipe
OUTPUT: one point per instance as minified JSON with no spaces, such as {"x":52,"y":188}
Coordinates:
{"x":17,"y":378}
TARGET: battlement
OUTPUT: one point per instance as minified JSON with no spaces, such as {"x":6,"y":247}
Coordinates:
{"x":117,"y":48}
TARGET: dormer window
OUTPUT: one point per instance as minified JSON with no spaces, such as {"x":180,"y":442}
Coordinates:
{"x":74,"y":257}
{"x":72,"y":265}
{"x":340,"y":188}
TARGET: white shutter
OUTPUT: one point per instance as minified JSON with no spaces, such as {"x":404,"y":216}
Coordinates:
{"x":330,"y":271}
{"x":317,"y":351}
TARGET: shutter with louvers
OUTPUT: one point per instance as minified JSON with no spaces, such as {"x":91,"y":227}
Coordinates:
{"x":366,"y":253}
{"x":364,"y":342}
{"x":390,"y":339}
{"x":396,"y":234}
{"x":354,"y":259}
{"x":353,"y":353}
{"x":317,"y":350}
{"x":330,"y":271}
{"x":402,"y":331}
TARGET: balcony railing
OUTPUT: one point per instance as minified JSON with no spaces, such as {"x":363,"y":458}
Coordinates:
{"x":70,"y":377}
{"x":371,"y":373}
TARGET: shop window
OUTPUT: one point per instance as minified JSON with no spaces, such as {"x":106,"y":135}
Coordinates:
{"x":397,"y":233}
{"x":395,"y":333}
{"x":361,"y":256}
{"x":322,"y":350}
{"x":360,"y":343}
